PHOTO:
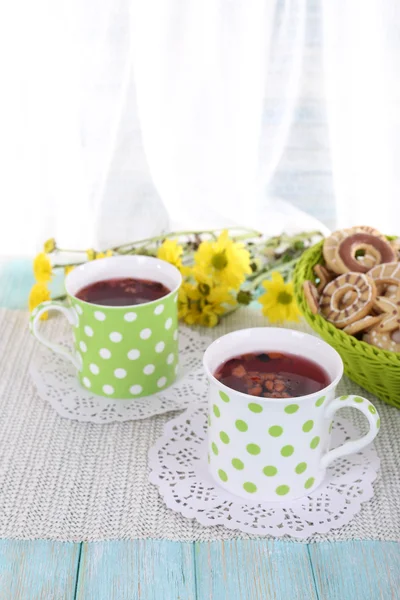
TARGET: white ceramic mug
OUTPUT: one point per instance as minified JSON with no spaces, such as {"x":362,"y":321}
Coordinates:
{"x":270,"y":449}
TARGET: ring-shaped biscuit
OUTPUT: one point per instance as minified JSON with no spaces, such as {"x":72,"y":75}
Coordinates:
{"x":346,"y":253}
{"x":331,"y":243}
{"x":332,"y":297}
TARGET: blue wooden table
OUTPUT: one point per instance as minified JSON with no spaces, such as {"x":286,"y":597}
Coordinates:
{"x":163,"y":570}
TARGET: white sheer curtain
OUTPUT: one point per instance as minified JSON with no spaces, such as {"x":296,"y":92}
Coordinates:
{"x":362,"y":74}
{"x":123,"y":117}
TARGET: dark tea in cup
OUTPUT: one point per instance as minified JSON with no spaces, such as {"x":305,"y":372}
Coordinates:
{"x":272,"y":375}
{"x":125,"y":291}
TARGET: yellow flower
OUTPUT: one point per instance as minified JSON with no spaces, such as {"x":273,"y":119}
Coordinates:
{"x":278,"y":303}
{"x":223,"y":262}
{"x":203,"y":305}
{"x":68,"y":269}
{"x":103,"y":254}
{"x":49,"y":246}
{"x":39,"y":293}
{"x":93,"y":255}
{"x":171,"y":252}
{"x":212,"y":306}
{"x":42,"y":268}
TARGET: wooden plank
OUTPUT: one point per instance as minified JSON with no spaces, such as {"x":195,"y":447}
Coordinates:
{"x":136,"y":570}
{"x":253,"y":570}
{"x":38,"y":570}
{"x":356,"y":570}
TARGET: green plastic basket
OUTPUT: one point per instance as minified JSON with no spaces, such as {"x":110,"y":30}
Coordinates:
{"x":378,"y":371}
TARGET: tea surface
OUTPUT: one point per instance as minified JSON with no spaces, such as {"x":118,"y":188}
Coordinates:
{"x":272,"y":375}
{"x":122,"y":292}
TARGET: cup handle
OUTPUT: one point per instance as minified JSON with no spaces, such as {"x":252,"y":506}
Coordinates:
{"x":369,"y":410}
{"x":72,"y":319}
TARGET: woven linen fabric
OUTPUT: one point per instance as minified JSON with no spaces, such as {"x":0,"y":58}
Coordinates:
{"x":69,"y":481}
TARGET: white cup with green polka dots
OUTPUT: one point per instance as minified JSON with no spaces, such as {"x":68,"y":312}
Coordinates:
{"x":268,"y":449}
{"x":120,"y":351}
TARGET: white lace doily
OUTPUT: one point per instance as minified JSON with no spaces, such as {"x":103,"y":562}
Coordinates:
{"x":56,"y":382}
{"x":178,"y":465}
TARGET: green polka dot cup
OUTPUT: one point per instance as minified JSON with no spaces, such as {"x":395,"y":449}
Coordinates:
{"x":120,"y":351}
{"x":269,"y":449}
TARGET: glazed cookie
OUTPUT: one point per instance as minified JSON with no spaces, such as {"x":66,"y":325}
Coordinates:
{"x":331,"y":245}
{"x":384,"y":340}
{"x":323,"y":275}
{"x":311,"y":296}
{"x":390,"y":309}
{"x":383,"y":275}
{"x":346,"y":252}
{"x":362,"y":325}
{"x":340,"y":314}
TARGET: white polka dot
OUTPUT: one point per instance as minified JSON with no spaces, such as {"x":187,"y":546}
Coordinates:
{"x":145,"y":333}
{"x":120,"y":373}
{"x":108,"y":389}
{"x":135,"y":389}
{"x":115,"y":336}
{"x":133,"y":354}
{"x":159,"y":309}
{"x":104,"y":353}
{"x":94,"y":369}
{"x":176,"y":298}
{"x":175,"y":334}
{"x":168,"y":323}
{"x":176,"y":369}
{"x":78,"y":309}
{"x":149,"y":369}
{"x":170,"y":358}
{"x":86,"y":382}
{"x":82,"y":346}
{"x":100,"y":316}
{"x":160,"y":347}
{"x":130,"y":316}
{"x":88,"y":330}
{"x":161,"y":382}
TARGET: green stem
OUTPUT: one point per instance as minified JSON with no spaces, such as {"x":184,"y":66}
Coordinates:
{"x":249,"y":234}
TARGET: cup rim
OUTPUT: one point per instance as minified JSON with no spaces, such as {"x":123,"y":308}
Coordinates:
{"x":259,"y":399}
{"x":164,"y":263}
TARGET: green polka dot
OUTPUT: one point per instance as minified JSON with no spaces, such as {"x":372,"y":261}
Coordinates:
{"x":237,"y":463}
{"x":275,"y":431}
{"x":255,"y":408}
{"x":343,"y":397}
{"x":222,"y":475}
{"x":282,"y":490}
{"x":250,"y":487}
{"x":301,"y":467}
{"x":309,"y":483}
{"x":216,"y":411}
{"x":241,"y":425}
{"x":358,"y":399}
{"x":214,"y":448}
{"x":378,"y":423}
{"x":308,"y":425}
{"x":314,"y":442}
{"x":224,"y":437}
{"x":372,"y":409}
{"x":291,"y":408}
{"x":224,"y":396}
{"x":253,"y":449}
{"x":270,"y":471}
{"x":287,"y":450}
{"x":320,"y":401}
